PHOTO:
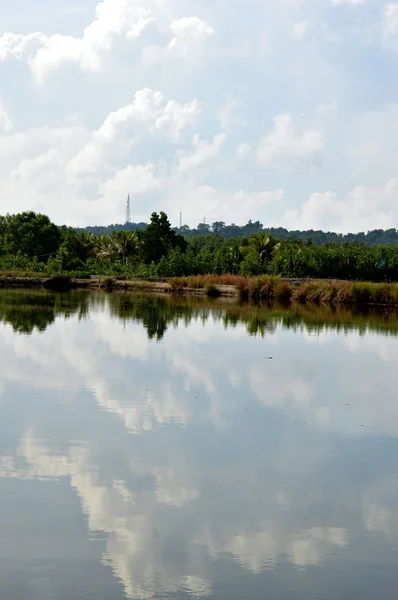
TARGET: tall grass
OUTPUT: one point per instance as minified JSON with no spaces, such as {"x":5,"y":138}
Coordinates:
{"x":346,"y":293}
{"x":274,"y":288}
{"x":268,"y":288}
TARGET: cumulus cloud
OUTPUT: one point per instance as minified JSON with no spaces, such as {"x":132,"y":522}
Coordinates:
{"x":186,"y":31}
{"x":126,"y":127}
{"x":203,"y":152}
{"x":288,"y":145}
{"x":172,"y":100}
{"x":358,"y":209}
{"x":20,"y":46}
{"x":128,"y":18}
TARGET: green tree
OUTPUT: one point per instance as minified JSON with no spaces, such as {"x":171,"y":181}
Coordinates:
{"x":126,"y":245}
{"x":159,"y":238}
{"x":265,"y":247}
{"x":31,"y":234}
{"x":218,"y":227}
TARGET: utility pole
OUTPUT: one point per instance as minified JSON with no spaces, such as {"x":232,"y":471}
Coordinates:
{"x":128,"y":210}
{"x":180,"y":220}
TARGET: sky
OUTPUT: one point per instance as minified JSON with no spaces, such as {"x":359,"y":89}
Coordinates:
{"x":280,"y":111}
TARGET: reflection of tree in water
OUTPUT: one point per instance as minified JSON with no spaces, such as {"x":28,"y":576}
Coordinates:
{"x":26,"y":310}
{"x":157,"y":314}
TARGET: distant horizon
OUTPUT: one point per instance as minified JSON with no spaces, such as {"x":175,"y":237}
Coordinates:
{"x":232,"y":224}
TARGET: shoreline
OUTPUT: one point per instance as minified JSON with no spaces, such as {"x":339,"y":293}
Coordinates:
{"x":265,"y":288}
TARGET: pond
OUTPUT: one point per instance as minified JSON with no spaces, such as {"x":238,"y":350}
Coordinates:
{"x":171,"y":448}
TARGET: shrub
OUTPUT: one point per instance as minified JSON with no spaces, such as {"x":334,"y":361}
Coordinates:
{"x":109,"y":283}
{"x":177,"y":284}
{"x":213,"y":292}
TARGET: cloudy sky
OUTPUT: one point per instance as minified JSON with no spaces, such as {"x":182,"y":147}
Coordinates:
{"x":286,"y":111}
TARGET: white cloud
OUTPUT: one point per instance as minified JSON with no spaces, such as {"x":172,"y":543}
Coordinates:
{"x":360,"y":209}
{"x":190,"y":42}
{"x":158,"y":83}
{"x":150,"y":109}
{"x":287,"y":145}
{"x":138,"y":180}
{"x":188,"y":28}
{"x":214,"y":203}
{"x":20,"y":46}
{"x":127,"y":18}
{"x":203,"y":152}
{"x":5,"y":121}
{"x":126,"y":127}
{"x":391,"y":19}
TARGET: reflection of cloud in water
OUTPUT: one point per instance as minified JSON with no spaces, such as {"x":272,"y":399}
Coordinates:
{"x":136,"y":536}
{"x":115,"y":361}
{"x":139,"y":531}
{"x":257,"y":551}
{"x":116,"y":390}
{"x":146,"y":385}
{"x":379,"y":508}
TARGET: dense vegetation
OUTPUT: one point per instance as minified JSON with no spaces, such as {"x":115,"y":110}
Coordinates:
{"x":376,"y":237}
{"x":31,"y":243}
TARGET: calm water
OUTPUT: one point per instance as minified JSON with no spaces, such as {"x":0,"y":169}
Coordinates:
{"x":152,"y":448}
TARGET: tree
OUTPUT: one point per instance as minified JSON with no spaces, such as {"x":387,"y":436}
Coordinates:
{"x":159,"y":238}
{"x":217,"y":227}
{"x":203,"y":228}
{"x":105,"y":247}
{"x":126,"y":245}
{"x":31,"y":234}
{"x":265,"y":246}
{"x":72,"y":252}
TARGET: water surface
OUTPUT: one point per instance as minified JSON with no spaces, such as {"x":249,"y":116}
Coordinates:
{"x":177,"y":449}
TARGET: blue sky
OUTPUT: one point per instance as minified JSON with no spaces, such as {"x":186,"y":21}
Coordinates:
{"x":286,"y":111}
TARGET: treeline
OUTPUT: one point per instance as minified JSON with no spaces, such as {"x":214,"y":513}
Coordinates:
{"x":99,"y":230}
{"x":376,"y":237}
{"x":31,"y":242}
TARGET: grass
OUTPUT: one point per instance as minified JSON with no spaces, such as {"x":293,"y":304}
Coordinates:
{"x":17,"y":273}
{"x":268,"y":288}
{"x":346,"y":293}
{"x":274,"y":288}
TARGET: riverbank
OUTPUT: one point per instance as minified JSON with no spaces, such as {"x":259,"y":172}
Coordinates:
{"x":267,"y":288}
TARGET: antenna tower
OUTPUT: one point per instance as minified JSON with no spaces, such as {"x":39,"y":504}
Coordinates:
{"x":180,"y":220}
{"x":128,"y":210}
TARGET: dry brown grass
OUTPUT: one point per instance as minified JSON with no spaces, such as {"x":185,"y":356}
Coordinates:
{"x":273,"y":288}
{"x":347,"y":293}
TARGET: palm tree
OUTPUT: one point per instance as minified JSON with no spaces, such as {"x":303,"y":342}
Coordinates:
{"x":264,"y":245}
{"x":89,"y":242}
{"x":105,"y":247}
{"x":126,"y":245}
